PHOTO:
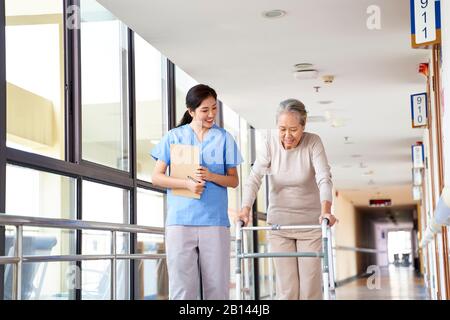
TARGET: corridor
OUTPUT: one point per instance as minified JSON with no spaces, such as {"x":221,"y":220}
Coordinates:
{"x":395,"y":283}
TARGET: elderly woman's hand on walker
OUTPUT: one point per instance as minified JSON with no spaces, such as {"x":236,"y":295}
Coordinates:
{"x":331,"y":219}
{"x":244,"y":216}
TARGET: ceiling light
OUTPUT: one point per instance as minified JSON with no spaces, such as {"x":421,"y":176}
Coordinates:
{"x":325,"y":101}
{"x":305,"y":74}
{"x":356,"y":156}
{"x":347,"y":140}
{"x":317,"y":119}
{"x":337,"y":123}
{"x":273,"y":14}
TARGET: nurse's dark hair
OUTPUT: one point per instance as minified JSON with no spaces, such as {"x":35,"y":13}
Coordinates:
{"x":194,"y":99}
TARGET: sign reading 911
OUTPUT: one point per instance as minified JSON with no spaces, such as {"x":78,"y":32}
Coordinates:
{"x":425,"y":22}
{"x":419,"y":112}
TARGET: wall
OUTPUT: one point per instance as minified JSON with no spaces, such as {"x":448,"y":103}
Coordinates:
{"x":345,"y":235}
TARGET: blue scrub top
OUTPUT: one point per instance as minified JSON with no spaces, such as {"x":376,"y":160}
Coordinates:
{"x":218,"y":152}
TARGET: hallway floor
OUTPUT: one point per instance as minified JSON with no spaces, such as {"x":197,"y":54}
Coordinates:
{"x":396,"y":283}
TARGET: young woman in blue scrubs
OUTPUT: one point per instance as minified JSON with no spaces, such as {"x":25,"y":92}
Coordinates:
{"x":197,"y":230}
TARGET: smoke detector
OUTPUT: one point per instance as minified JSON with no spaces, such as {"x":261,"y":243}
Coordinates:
{"x":304,"y":71}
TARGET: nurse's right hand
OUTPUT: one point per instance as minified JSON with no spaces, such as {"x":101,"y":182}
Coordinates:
{"x":195,"y":187}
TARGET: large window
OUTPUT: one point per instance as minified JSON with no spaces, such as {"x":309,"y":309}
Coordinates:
{"x":151,"y":122}
{"x":261,"y":197}
{"x":104,"y":71}
{"x":106,"y":204}
{"x":232,"y":125}
{"x":151,"y":275}
{"x":35,"y":76}
{"x":41,"y":194}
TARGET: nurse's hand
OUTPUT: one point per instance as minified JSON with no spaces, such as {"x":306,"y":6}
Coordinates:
{"x":331,"y":219}
{"x":203,"y":173}
{"x":195,"y":187}
{"x":244,"y":216}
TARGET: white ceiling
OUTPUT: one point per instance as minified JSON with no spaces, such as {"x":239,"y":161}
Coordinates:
{"x":249,"y":60}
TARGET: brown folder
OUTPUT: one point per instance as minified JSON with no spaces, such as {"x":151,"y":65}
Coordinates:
{"x":184,"y":160}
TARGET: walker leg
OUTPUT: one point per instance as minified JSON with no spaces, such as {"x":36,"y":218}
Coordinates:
{"x":238,"y":251}
{"x":325,"y":266}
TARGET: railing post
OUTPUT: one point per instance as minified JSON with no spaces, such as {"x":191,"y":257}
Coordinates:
{"x":113,"y":265}
{"x":17,"y":276}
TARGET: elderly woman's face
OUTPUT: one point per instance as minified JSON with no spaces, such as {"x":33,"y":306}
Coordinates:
{"x":290,"y":130}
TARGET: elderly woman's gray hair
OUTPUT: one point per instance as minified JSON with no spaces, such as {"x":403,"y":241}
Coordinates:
{"x":295,"y":106}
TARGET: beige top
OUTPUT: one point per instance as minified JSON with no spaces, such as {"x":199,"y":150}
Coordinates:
{"x":299,"y":180}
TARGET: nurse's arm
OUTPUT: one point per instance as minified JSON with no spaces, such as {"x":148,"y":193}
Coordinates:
{"x":231,"y":179}
{"x":160,"y":179}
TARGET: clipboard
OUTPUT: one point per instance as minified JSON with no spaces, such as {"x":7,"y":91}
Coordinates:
{"x":184,"y":161}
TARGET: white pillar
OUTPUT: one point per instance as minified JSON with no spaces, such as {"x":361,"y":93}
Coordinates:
{"x":445,"y":29}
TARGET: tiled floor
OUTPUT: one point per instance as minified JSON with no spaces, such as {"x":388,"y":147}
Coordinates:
{"x":395,"y":283}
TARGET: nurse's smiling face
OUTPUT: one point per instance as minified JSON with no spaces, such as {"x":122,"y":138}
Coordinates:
{"x":206,"y":113}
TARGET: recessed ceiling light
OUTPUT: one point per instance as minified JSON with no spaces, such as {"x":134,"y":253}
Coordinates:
{"x":317,"y":119}
{"x":325,"y":101}
{"x":337,"y":123}
{"x":273,"y":14}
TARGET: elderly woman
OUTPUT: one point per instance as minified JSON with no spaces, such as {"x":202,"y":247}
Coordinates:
{"x":299,"y":193}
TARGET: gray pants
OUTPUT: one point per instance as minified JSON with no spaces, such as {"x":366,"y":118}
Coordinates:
{"x":191,"y":247}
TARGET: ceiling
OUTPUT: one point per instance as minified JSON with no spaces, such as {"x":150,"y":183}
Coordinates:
{"x":249,"y":60}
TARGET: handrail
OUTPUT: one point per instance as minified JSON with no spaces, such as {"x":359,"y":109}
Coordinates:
{"x":75,"y":224}
{"x":357,"y":249}
{"x":23,"y":221}
{"x":440,"y":218}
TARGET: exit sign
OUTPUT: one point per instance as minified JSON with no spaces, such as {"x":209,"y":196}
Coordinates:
{"x":380,"y":202}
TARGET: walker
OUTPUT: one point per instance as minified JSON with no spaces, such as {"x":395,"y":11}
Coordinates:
{"x":328,"y":285}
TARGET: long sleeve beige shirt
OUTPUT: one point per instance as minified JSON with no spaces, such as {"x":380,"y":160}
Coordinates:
{"x":299,"y":180}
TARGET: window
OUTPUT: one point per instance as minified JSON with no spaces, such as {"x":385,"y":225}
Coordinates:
{"x":261,"y":197}
{"x":105,"y":204}
{"x":151,"y":275}
{"x":35,"y":76}
{"x":245,"y":151}
{"x":183,"y":82}
{"x":231,"y":124}
{"x":150,"y":109}
{"x":40,"y":194}
{"x":104,"y":74}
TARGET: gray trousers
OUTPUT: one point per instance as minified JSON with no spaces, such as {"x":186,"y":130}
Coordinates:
{"x":190,"y":248}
